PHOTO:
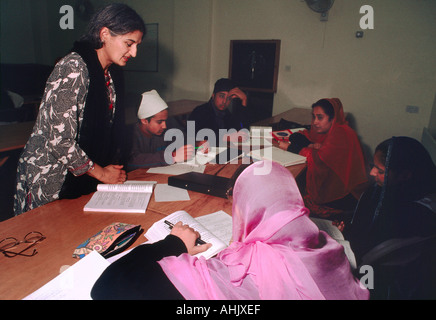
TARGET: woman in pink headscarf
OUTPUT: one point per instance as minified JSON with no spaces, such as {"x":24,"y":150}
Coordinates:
{"x":277,"y":253}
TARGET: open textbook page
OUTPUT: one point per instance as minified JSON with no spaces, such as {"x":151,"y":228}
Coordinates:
{"x":285,"y":158}
{"x":214,"y":228}
{"x":132,"y":197}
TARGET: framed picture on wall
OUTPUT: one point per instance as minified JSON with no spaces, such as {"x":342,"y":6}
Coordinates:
{"x":147,"y":57}
{"x":254,"y":64}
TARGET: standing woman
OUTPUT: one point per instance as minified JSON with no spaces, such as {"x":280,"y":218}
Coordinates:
{"x":336,"y":173}
{"x":77,"y":138}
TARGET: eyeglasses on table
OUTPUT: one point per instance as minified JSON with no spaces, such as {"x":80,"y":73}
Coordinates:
{"x":9,"y":243}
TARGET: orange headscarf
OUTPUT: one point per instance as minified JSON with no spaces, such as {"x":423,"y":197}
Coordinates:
{"x":338,"y":167}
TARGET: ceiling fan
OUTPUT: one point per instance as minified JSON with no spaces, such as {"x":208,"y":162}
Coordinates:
{"x":321,"y":6}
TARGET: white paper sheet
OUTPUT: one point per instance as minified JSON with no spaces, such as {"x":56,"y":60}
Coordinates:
{"x":75,"y":283}
{"x":176,"y":169}
{"x":164,"y":192}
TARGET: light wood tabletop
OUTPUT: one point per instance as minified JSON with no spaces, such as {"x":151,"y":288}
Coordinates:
{"x":65,"y":225}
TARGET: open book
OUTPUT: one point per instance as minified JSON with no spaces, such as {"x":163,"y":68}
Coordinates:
{"x":214,"y":228}
{"x":335,"y":233}
{"x":285,"y":158}
{"x":259,"y":136}
{"x":132,"y":197}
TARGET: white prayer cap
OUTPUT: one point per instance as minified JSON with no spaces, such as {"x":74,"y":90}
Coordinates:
{"x":151,"y":104}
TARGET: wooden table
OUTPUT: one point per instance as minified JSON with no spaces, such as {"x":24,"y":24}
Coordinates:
{"x":65,"y":225}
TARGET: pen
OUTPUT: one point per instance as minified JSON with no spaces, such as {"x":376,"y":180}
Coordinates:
{"x":197,"y":242}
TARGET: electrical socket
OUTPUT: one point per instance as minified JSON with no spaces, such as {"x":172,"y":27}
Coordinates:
{"x":324,"y":16}
{"x":412,"y":109}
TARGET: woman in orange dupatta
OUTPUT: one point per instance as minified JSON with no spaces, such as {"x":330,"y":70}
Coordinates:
{"x":336,"y":173}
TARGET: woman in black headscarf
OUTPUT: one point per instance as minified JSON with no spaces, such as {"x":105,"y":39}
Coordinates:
{"x":398,"y":205}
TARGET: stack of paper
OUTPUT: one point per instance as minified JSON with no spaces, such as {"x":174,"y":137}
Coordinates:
{"x":177,"y":168}
{"x":76,"y":282}
{"x":283,"y":157}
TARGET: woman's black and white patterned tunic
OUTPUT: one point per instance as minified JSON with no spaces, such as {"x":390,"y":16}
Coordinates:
{"x":52,"y":149}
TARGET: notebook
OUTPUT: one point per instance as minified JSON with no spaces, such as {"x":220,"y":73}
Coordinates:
{"x":285,"y":158}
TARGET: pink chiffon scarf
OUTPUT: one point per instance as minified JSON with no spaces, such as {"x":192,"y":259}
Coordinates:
{"x":277,"y":251}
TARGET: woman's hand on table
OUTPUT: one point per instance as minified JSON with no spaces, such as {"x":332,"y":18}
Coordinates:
{"x":111,"y":174}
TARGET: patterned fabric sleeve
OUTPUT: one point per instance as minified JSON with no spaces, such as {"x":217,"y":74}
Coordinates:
{"x":62,"y":113}
{"x":52,"y":149}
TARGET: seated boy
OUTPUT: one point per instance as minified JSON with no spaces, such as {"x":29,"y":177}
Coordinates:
{"x":149,"y":146}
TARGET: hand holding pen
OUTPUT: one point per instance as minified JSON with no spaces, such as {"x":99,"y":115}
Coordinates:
{"x":202,"y":146}
{"x":189,"y":236}
{"x":183,"y":154}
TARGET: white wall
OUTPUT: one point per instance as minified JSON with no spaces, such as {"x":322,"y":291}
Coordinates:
{"x":376,"y":77}
{"x":161,"y":12}
{"x":192,"y":49}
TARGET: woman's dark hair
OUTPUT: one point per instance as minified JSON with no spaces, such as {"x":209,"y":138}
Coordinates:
{"x":408,"y":155}
{"x":118,"y":18}
{"x":382,"y":150}
{"x":326,"y":106}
